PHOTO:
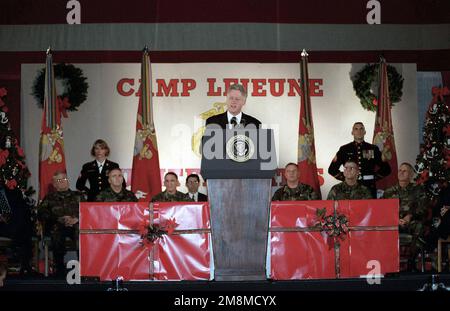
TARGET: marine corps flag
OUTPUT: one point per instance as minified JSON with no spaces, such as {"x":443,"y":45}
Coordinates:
{"x":145,"y":176}
{"x":383,"y":135}
{"x":51,"y":147}
{"x":306,"y":156}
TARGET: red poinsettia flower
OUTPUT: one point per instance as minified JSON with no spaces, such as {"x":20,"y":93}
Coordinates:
{"x":143,"y":227}
{"x":20,"y":152}
{"x":446,"y":129}
{"x":3,"y":156}
{"x":423,"y":177}
{"x":171,"y":224}
{"x":375,"y":102}
{"x":3,"y":92}
{"x":11,"y":184}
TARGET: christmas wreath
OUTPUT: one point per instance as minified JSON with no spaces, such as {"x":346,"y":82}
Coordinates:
{"x":363,"y":80}
{"x":75,"y":85}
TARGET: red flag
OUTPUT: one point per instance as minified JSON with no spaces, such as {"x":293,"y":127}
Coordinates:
{"x":51,"y":146}
{"x":145,"y":176}
{"x":306,"y":156}
{"x":383,"y":135}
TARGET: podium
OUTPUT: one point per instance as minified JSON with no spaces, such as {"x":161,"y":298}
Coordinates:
{"x":239,"y":165}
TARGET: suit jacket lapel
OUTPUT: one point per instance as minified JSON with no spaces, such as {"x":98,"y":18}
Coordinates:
{"x":224,"y":119}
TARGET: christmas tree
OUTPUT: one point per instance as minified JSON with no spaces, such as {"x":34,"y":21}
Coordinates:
{"x":433,"y":162}
{"x":14,"y":172}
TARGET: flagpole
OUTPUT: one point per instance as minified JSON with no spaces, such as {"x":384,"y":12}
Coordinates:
{"x":145,"y":176}
{"x":306,"y":154}
{"x":305,"y":85}
{"x":51,"y":144}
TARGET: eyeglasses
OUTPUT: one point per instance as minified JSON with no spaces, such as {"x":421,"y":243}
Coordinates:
{"x":62,"y":179}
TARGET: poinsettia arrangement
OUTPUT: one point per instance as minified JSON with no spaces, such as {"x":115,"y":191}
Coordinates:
{"x":335,"y":225}
{"x":151,"y":232}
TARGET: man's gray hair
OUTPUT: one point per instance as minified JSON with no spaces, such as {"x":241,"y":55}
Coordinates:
{"x":238,"y":87}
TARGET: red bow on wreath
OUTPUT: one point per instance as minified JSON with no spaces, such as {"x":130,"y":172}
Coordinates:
{"x":63,"y":105}
{"x":439,"y":92}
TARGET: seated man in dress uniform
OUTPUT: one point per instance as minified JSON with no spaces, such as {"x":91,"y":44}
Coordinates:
{"x":294,"y":190}
{"x":171,"y":194}
{"x":116,"y":192}
{"x":350,"y":188}
{"x":58,"y":214}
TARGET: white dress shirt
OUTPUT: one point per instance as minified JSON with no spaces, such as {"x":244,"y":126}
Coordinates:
{"x":100,"y":165}
{"x":238,"y":119}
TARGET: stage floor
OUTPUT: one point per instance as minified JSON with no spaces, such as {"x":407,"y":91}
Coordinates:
{"x":396,"y":282}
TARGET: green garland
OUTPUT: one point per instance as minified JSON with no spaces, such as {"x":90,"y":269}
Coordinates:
{"x":363,"y":79}
{"x":74,"y":83}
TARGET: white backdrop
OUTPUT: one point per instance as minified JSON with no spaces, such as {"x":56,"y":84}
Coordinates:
{"x":111,"y":116}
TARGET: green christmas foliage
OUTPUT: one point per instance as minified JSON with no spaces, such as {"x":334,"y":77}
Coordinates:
{"x":433,"y":162}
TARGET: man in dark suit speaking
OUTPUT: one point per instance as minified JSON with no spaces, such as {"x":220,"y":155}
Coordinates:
{"x":236,"y":97}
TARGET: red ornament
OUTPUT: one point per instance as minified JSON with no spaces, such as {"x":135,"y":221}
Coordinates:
{"x":20,"y":152}
{"x":3,"y":156}
{"x":11,"y":184}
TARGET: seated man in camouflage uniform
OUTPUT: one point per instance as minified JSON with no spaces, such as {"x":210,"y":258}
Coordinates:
{"x":350,"y":189}
{"x":171,"y":194}
{"x":116,"y":192}
{"x":294,"y":190}
{"x":58,"y":213}
{"x":413,"y":207}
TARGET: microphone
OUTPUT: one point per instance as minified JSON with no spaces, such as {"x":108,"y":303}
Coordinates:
{"x":233,"y":122}
{"x":243,"y":122}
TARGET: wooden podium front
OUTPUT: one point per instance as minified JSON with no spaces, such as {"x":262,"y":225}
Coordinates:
{"x":239,"y":197}
{"x":240,"y":220}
